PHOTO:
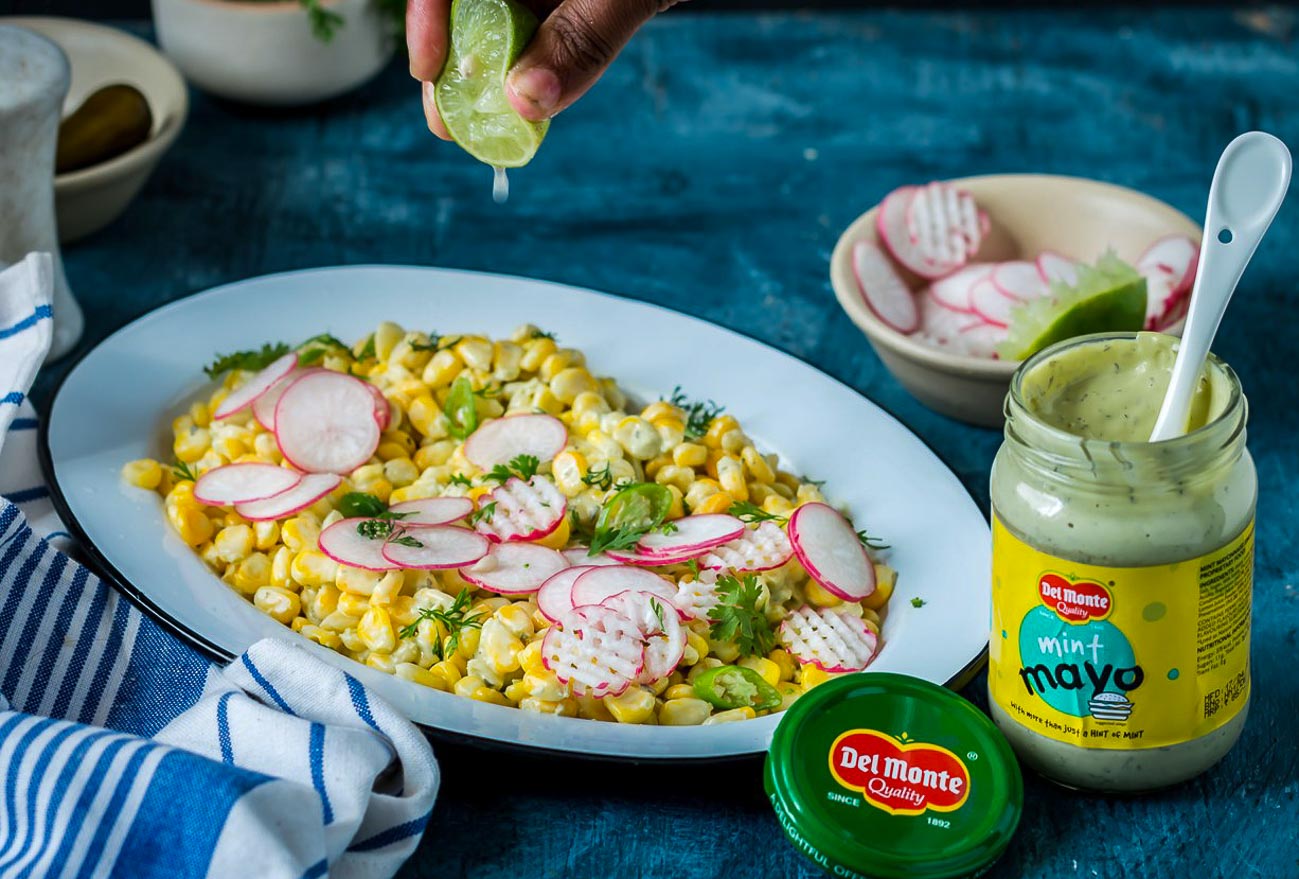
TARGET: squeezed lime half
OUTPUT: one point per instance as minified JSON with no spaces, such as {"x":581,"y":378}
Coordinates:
{"x":487,"y":37}
{"x":1107,"y":297}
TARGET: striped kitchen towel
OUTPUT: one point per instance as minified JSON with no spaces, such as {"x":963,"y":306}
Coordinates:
{"x":124,"y":752}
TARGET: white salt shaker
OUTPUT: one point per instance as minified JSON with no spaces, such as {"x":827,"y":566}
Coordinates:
{"x":34,"y":78}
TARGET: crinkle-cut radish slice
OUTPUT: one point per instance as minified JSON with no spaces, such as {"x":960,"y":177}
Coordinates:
{"x":945,"y":226}
{"x":938,"y":325}
{"x":344,"y":543}
{"x":1176,"y":256}
{"x":312,"y":488}
{"x":524,"y":510}
{"x":433,"y":510}
{"x":641,"y":560}
{"x":660,"y":629}
{"x":828,"y":549}
{"x":595,"y":650}
{"x":757,"y":549}
{"x":324,"y":423}
{"x":502,"y":439}
{"x":954,"y":291}
{"x":256,"y":385}
{"x":1020,"y":280}
{"x":882,"y":288}
{"x":264,"y":406}
{"x":440,"y":546}
{"x":1054,"y":267}
{"x":600,"y":583}
{"x":555,"y":597}
{"x":834,"y":641}
{"x":991,"y":304}
{"x":696,"y":596}
{"x":241,"y":483}
{"x":515,"y":568}
{"x":581,"y":556}
{"x":692,"y":534}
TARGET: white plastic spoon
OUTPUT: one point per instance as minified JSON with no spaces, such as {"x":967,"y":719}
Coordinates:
{"x":1248,"y":188}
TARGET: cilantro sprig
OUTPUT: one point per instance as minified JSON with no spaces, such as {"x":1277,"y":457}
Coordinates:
{"x":455,"y":619}
{"x":250,"y":361}
{"x":486,"y":511}
{"x":460,"y":479}
{"x":871,"y":542}
{"x":183,"y":471}
{"x":751,"y":513}
{"x":599,"y":477}
{"x":358,"y":504}
{"x":523,"y":466}
{"x":699,"y":413}
{"x":737,"y":617}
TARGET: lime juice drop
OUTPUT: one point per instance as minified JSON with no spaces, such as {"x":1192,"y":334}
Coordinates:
{"x":500,"y":185}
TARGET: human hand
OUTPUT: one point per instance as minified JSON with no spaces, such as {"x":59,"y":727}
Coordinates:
{"x":576,"y":41}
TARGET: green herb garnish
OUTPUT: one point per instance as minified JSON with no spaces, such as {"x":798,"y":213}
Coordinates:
{"x":658,"y":611}
{"x":522,"y":466}
{"x":182,"y":472}
{"x":314,"y":349}
{"x":455,"y":619}
{"x":358,"y":504}
{"x":699,"y":414}
{"x":486,"y":511}
{"x":918,"y":602}
{"x":871,"y":542}
{"x":738,"y":618}
{"x":599,"y":478}
{"x":542,"y":334}
{"x":250,"y":361}
{"x":750,"y":513}
{"x":375,"y":529}
{"x":460,"y":479}
{"x":367,"y":350}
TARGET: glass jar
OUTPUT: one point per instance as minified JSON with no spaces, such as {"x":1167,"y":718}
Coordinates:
{"x":1122,"y":572}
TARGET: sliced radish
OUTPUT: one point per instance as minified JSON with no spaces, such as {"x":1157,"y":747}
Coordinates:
{"x":991,"y":304}
{"x":515,"y":568}
{"x":264,"y":406}
{"x":382,"y":412}
{"x":980,"y":340}
{"x":945,"y":226}
{"x":324,"y":423}
{"x":757,"y":549}
{"x":954,"y":291}
{"x":503,"y":439}
{"x":580,"y":556}
{"x":597,"y":584}
{"x":523,"y":510}
{"x":1054,"y":268}
{"x":692,"y":534}
{"x":1020,"y":280}
{"x":938,"y":324}
{"x":1160,"y":298}
{"x":595,"y":650}
{"x":696,"y":596}
{"x":1176,"y":256}
{"x":433,"y":510}
{"x":660,"y":630}
{"x":440,"y":546}
{"x":830,"y":552}
{"x":241,"y":483}
{"x":312,"y":488}
{"x":891,"y":224}
{"x":641,"y":560}
{"x":834,"y":641}
{"x":344,"y":543}
{"x":555,"y":597}
{"x":255,"y":386}
{"x":883,"y":289}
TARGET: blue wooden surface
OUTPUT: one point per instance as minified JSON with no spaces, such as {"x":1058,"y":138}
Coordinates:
{"x":711,"y":171}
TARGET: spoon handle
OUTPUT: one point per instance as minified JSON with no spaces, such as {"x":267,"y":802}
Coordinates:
{"x":1248,"y":187}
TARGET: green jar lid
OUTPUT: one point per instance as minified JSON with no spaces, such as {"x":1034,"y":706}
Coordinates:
{"x":891,"y":777}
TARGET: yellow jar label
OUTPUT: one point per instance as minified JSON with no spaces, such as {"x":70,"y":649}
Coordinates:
{"x":1119,"y":658}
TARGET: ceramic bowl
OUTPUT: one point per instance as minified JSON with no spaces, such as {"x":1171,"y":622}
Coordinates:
{"x":266,"y":52}
{"x":1030,"y":213}
{"x":90,"y":198}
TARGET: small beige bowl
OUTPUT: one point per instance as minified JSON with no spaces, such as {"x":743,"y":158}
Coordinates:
{"x":1030,"y":213}
{"x":91,"y":198}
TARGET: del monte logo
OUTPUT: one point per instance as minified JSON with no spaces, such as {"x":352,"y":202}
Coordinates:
{"x":1075,"y":601}
{"x":902,"y":778}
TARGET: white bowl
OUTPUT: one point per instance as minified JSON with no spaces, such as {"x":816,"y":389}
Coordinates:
{"x":266,"y":53}
{"x":88,"y":199}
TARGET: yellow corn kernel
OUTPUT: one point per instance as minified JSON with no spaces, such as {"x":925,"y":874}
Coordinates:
{"x":352,"y":604}
{"x":660,"y":409}
{"x":676,"y":509}
{"x":636,"y":705}
{"x":231,"y":448}
{"x":191,"y":444}
{"x":561,"y":708}
{"x":516,"y":692}
{"x":466,"y":685}
{"x":700,"y":491}
{"x":182,"y":423}
{"x":442,"y":369}
{"x":686,"y":711}
{"x":593,"y":708}
{"x":400,"y":472}
{"x":885,"y":579}
{"x":280,"y":563}
{"x":819,"y":596}
{"x":809,"y":493}
{"x":562,"y":359}
{"x":547,"y":402}
{"x":144,"y":473}
{"x":757,"y":465}
{"x":375,"y":629}
{"x":730,"y":473}
{"x":872,"y":625}
{"x":200,"y":413}
{"x":696,"y":647}
{"x":181,"y":494}
{"x":357,"y":580}
{"x":427,"y":417}
{"x":719,"y":427}
{"x":569,"y":468}
{"x":339,"y":622}
{"x":449,"y":673}
{"x":507,"y":358}
{"x":253,"y":573}
{"x":813,"y":675}
{"x":726,"y":651}
{"x":870,"y":616}
{"x":388,"y":588}
{"x":733,"y":441}
{"x":265,"y":448}
{"x":679,"y":691}
{"x":298,"y":623}
{"x":690,"y":455}
{"x":499,"y":647}
{"x":789,"y":693}
{"x":535,"y":353}
{"x":679,"y":477}
{"x":745,"y":713}
{"x":476,"y":352}
{"x":717,"y":503}
{"x":382,"y":661}
{"x":558,"y":538}
{"x":769,"y":670}
{"x":386,"y":337}
{"x":655,"y":464}
{"x":784,"y":662}
{"x":777,"y":505}
{"x":409,"y":671}
{"x":637,"y":437}
{"x":325,"y":602}
{"x":311,"y":567}
{"x":530,"y":658}
{"x":300,"y":532}
{"x":589,"y":403}
{"x":468,"y":645}
{"x":568,"y":383}
{"x":207,"y":552}
{"x":266,"y":535}
{"x":323,"y":637}
{"x":192,"y":526}
{"x":279,"y":604}
{"x":702,"y":666}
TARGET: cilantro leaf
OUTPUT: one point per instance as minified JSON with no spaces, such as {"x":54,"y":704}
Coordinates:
{"x":460,"y":479}
{"x":486,"y":511}
{"x":523,"y":466}
{"x":357,"y":504}
{"x":250,"y":361}
{"x":737,"y":617}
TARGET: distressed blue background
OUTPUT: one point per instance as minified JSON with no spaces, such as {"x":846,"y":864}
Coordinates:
{"x":711,"y":171}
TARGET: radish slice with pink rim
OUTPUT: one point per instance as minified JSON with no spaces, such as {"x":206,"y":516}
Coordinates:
{"x":892,"y":228}
{"x":757,"y":549}
{"x":241,"y":483}
{"x":991,"y":304}
{"x":940,"y":325}
{"x":523,"y":510}
{"x":312,"y":488}
{"x":595,"y":650}
{"x":834,"y":641}
{"x":692,"y":534}
{"x":882,"y":288}
{"x":264,"y":406}
{"x":954,"y":291}
{"x":433,"y":510}
{"x":1174,"y":255}
{"x":828,"y":549}
{"x":696,"y":596}
{"x":441,"y":546}
{"x":1054,"y":268}
{"x":500,"y":440}
{"x":255,"y":386}
{"x":945,"y":226}
{"x":580,"y":556}
{"x":1020,"y":280}
{"x":555,"y":597}
{"x":641,"y":560}
{"x":344,"y":543}
{"x":382,"y":413}
{"x":660,"y":629}
{"x":597,"y":584}
{"x":515,"y":568}
{"x":324,"y":423}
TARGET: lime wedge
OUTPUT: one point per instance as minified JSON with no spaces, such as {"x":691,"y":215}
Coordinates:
{"x":1107,"y":297}
{"x":487,"y":37}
